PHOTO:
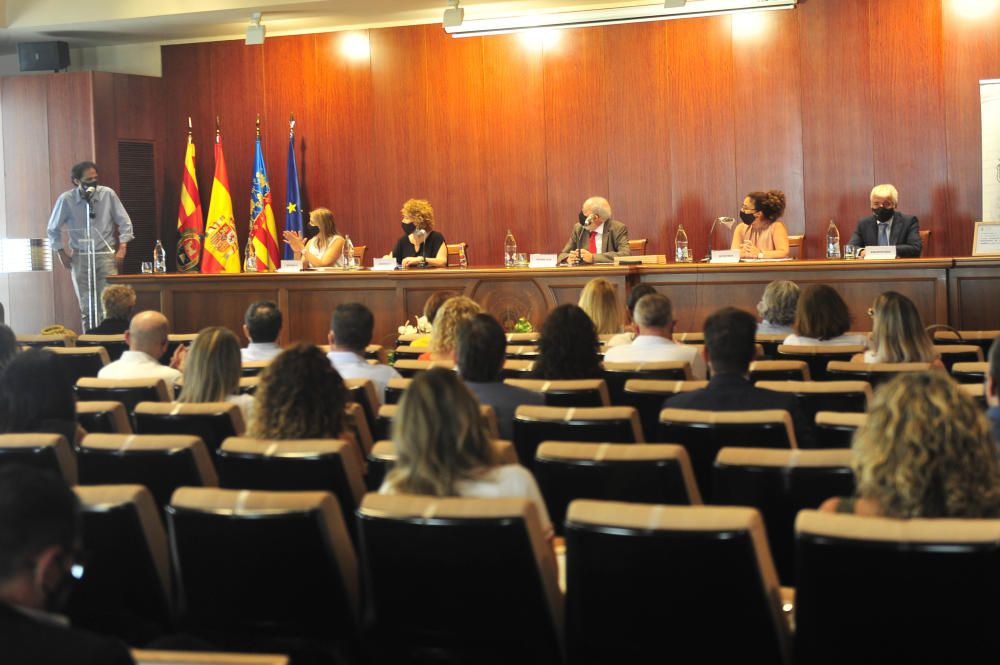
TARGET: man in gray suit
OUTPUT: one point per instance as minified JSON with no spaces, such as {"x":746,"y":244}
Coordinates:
{"x":597,"y":238}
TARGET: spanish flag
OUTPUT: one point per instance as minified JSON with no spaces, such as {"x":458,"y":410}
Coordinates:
{"x":262,"y":246}
{"x":222,"y":251}
{"x":190,"y":222}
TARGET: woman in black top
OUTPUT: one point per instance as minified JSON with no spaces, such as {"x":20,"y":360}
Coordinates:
{"x":420,"y":245}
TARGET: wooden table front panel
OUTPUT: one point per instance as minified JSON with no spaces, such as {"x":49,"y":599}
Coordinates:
{"x":975,"y":294}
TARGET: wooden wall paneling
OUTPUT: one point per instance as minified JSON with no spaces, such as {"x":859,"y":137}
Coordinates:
{"x":908,"y":110}
{"x":971,"y":53}
{"x":336,"y":166}
{"x":702,"y":129}
{"x":456,"y":131}
{"x":639,"y":168}
{"x":837,"y":127}
{"x":400,"y":108}
{"x":576,"y":127}
{"x":767,"y":88}
{"x":515,"y":149}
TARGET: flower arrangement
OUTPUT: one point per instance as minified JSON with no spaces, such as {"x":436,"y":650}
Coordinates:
{"x":423,"y":326}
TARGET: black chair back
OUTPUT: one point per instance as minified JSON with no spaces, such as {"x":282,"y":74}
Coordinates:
{"x":212,"y":422}
{"x":534,"y":424}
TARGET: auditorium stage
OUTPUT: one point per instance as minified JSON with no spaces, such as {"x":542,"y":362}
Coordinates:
{"x":963,"y":292}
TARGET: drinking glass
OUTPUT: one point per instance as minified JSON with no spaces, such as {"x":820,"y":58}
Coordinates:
{"x":522,"y":260}
{"x":147,"y":267}
{"x":850,"y":251}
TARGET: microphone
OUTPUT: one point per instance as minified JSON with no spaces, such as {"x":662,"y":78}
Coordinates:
{"x":89,"y":192}
{"x":588,"y":224}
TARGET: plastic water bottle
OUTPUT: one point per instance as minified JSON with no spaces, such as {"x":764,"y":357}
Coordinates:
{"x":509,"y":250}
{"x":348,"y":253}
{"x":832,"y":241}
{"x":463,"y":260}
{"x":159,"y":258}
{"x":681,"y":245}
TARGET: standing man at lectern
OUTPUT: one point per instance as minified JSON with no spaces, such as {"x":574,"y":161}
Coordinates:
{"x":888,"y":226}
{"x":597,"y":238}
{"x":107,"y":212}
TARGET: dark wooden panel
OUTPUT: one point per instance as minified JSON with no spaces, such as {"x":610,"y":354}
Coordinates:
{"x":194,"y":308}
{"x":29,"y":196}
{"x":315,"y":308}
{"x":576,"y":127}
{"x":702,"y":140}
{"x":638,"y":134}
{"x":767,"y":88}
{"x":908,"y":109}
{"x":974,"y":284}
{"x":836,"y":116}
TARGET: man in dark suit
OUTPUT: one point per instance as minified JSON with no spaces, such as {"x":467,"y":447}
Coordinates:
{"x":480,"y":348}
{"x":730,"y":346}
{"x":597,"y":238}
{"x":888,"y":226}
{"x":39,"y":534}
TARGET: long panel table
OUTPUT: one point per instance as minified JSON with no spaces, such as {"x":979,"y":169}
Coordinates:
{"x":964,"y":293}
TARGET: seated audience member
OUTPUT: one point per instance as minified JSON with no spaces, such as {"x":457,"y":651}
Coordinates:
{"x":420,"y":245}
{"x":777,"y":308}
{"x":568,"y":347}
{"x":730,"y":346}
{"x":431,"y":307}
{"x":147,"y":342}
{"x":118,"y":301}
{"x":261,"y":326}
{"x":822,"y":319}
{"x":898,"y":334}
{"x":992,"y":388}
{"x":762,"y":234}
{"x":630,"y":330}
{"x":8,"y":346}
{"x":36,"y":395}
{"x":212,"y":371}
{"x":599,"y":300}
{"x":654,"y":315}
{"x":452,"y":312}
{"x":480,"y":349}
{"x":925,"y":450}
{"x":887,"y":226}
{"x":350,"y":332}
{"x":597,"y":238}
{"x":39,"y":540}
{"x":443,"y":448}
{"x":300,"y":396}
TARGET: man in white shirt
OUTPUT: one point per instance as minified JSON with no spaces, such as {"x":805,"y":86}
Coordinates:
{"x":654,"y":316}
{"x":147,"y":342}
{"x":261,"y":326}
{"x":350,"y":332}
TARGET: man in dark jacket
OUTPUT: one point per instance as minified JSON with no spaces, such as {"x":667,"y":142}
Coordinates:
{"x":888,"y":226}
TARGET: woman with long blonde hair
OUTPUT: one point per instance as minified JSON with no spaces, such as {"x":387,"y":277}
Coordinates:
{"x":325,"y":249}
{"x":212,"y":370}
{"x":898,"y":334}
{"x":925,"y":450}
{"x":600,"y":301}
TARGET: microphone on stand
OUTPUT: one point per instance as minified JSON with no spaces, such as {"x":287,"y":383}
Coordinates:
{"x":588,"y":225}
{"x":728,"y":222}
{"x":88,"y":195}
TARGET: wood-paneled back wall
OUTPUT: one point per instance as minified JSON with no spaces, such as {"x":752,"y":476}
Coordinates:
{"x":674,"y":121}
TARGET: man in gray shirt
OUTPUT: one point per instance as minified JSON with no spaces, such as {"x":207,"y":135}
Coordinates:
{"x":108,"y":213}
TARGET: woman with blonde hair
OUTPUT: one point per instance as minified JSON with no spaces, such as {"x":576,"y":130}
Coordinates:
{"x":300,"y":396}
{"x":118,"y":301}
{"x":898,"y":334}
{"x":444,"y":449}
{"x":325,"y":249}
{"x":762,"y":234}
{"x":599,"y":300}
{"x":212,"y":371}
{"x":925,"y":450}
{"x":420,"y":244}
{"x":454,"y":311}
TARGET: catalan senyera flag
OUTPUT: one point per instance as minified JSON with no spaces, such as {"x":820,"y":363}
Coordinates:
{"x":222,"y":250}
{"x":190,"y":222}
{"x":293,"y":205}
{"x":262,"y":248}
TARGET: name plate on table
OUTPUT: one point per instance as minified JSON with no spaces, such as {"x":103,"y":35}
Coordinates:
{"x":640,"y":259}
{"x":987,"y":239}
{"x":288,"y":265}
{"x":543,"y":260}
{"x":880,"y":253}
{"x":725,"y":256}
{"x":384,"y":264}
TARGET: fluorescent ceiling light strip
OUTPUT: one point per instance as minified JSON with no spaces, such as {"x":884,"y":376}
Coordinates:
{"x":610,"y":16}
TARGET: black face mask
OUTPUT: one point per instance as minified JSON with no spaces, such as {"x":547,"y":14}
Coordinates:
{"x":408,"y":227}
{"x":310,"y":231}
{"x":583,"y":219}
{"x":883,"y":214}
{"x":747,"y":217}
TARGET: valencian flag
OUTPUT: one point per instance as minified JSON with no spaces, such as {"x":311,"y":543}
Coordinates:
{"x":293,"y":207}
{"x":190,"y":223}
{"x":222,"y":251}
{"x":262,"y":245}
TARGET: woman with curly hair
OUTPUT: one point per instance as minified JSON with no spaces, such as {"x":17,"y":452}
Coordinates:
{"x":924,"y":451}
{"x":777,"y":308}
{"x":454,"y":311}
{"x":898,"y":334}
{"x":600,"y":301}
{"x":420,"y":245}
{"x":212,"y":371}
{"x":300,"y":396}
{"x":568,"y":347}
{"x":762,"y":235}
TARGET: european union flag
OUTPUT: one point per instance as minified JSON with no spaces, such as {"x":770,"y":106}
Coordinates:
{"x":293,"y":209}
